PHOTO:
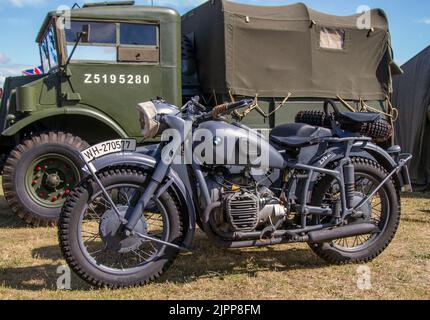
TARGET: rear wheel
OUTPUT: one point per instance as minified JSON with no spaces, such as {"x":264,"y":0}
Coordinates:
{"x":39,"y":175}
{"x":95,"y":246}
{"x":383,"y":210}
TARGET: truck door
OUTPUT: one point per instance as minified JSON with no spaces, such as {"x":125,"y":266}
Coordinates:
{"x":116,"y":67}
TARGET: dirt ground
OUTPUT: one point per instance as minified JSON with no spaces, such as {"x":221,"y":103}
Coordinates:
{"x":29,"y":258}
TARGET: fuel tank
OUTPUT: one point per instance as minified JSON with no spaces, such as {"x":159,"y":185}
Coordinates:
{"x":221,"y":143}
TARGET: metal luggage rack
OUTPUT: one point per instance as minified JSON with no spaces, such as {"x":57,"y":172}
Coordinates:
{"x":306,"y":209}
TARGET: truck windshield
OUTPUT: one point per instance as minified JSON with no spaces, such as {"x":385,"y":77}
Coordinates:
{"x":48,"y":51}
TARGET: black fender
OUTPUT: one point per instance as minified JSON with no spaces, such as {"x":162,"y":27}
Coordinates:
{"x":368,"y":151}
{"x":176,"y":182}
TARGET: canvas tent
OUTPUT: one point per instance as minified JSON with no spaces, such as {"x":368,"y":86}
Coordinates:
{"x":271,"y":51}
{"x":412,"y":98}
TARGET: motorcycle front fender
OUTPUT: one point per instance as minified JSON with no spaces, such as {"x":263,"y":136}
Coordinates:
{"x":177,"y":181}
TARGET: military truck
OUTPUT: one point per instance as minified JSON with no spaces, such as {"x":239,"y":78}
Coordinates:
{"x":288,"y":58}
{"x":114,"y":55}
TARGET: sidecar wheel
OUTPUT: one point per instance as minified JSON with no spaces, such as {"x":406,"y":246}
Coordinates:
{"x":99,"y":254}
{"x":384,"y":211}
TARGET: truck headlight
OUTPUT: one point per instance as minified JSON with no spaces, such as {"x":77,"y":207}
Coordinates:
{"x":148,"y":124}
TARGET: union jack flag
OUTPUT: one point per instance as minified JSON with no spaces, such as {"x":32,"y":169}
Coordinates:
{"x":33,"y":72}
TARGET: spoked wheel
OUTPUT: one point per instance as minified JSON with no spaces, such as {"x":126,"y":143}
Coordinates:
{"x":92,"y":238}
{"x":383,"y":210}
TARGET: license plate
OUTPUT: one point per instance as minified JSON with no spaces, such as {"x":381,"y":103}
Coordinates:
{"x":109,"y":147}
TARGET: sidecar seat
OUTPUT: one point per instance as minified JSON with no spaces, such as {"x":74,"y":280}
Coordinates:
{"x":297,"y":135}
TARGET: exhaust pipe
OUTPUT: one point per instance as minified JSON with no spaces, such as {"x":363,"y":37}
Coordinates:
{"x":342,"y":232}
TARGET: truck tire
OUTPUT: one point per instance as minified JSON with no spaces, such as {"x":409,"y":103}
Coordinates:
{"x":39,"y":175}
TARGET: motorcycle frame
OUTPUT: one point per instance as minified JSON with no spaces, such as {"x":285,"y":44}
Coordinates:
{"x":162,"y":168}
{"x":340,"y":176}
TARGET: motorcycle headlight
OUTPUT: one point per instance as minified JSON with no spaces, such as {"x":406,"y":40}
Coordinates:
{"x":150,"y":126}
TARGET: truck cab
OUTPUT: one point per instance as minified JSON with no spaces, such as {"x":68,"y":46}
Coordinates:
{"x":97,"y":64}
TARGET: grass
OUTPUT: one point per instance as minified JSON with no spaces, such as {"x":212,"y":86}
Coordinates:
{"x":29,"y":258}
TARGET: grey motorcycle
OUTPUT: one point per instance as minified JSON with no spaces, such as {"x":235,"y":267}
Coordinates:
{"x":334,"y":189}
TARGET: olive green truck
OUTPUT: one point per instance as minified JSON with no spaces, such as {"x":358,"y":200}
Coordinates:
{"x":111,"y":56}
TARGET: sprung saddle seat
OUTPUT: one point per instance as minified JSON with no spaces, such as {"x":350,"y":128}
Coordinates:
{"x":359,"y":117}
{"x":298,"y":135}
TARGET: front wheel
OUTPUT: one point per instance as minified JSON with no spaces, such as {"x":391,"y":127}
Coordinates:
{"x":383,"y":210}
{"x":39,"y":175}
{"x":91,"y":237}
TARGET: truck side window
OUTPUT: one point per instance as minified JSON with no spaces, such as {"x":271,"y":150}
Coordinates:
{"x":115,"y":42}
{"x":138,"y":43}
{"x":101,"y":44}
{"x":138,"y":34}
{"x":101,"y":32}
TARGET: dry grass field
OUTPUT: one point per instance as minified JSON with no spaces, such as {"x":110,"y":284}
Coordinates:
{"x":29,"y":258}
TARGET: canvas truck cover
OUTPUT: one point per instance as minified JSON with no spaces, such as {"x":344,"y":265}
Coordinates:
{"x":271,"y":51}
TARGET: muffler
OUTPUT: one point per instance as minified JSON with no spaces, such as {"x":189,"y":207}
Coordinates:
{"x":342,"y":232}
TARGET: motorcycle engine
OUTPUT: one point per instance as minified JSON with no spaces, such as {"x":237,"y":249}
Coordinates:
{"x":242,"y":209}
{"x":246,"y":207}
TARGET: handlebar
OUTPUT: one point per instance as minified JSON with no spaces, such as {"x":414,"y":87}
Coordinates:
{"x":196,"y":102}
{"x":222,"y":109}
{"x":333,"y":105}
{"x":230,"y":107}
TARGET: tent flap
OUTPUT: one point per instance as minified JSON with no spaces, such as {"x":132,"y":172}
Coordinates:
{"x":412,"y":98}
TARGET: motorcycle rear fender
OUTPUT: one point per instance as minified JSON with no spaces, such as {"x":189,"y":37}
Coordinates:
{"x":177,"y":181}
{"x":369,"y":151}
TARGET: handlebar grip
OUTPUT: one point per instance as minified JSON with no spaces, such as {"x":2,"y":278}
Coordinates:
{"x":227,"y":107}
{"x":218,"y":110}
{"x":196,"y":101}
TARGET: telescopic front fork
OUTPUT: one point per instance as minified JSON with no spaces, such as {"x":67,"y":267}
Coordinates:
{"x":134,"y":214}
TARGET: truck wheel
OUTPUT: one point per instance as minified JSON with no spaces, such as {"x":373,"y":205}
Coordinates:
{"x":39,"y":175}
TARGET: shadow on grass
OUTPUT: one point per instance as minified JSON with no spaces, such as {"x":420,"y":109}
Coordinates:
{"x":7,"y":218}
{"x":414,"y":220}
{"x":36,"y":278}
{"x":416,"y":195}
{"x":207,"y":262}
{"x":210,"y":262}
